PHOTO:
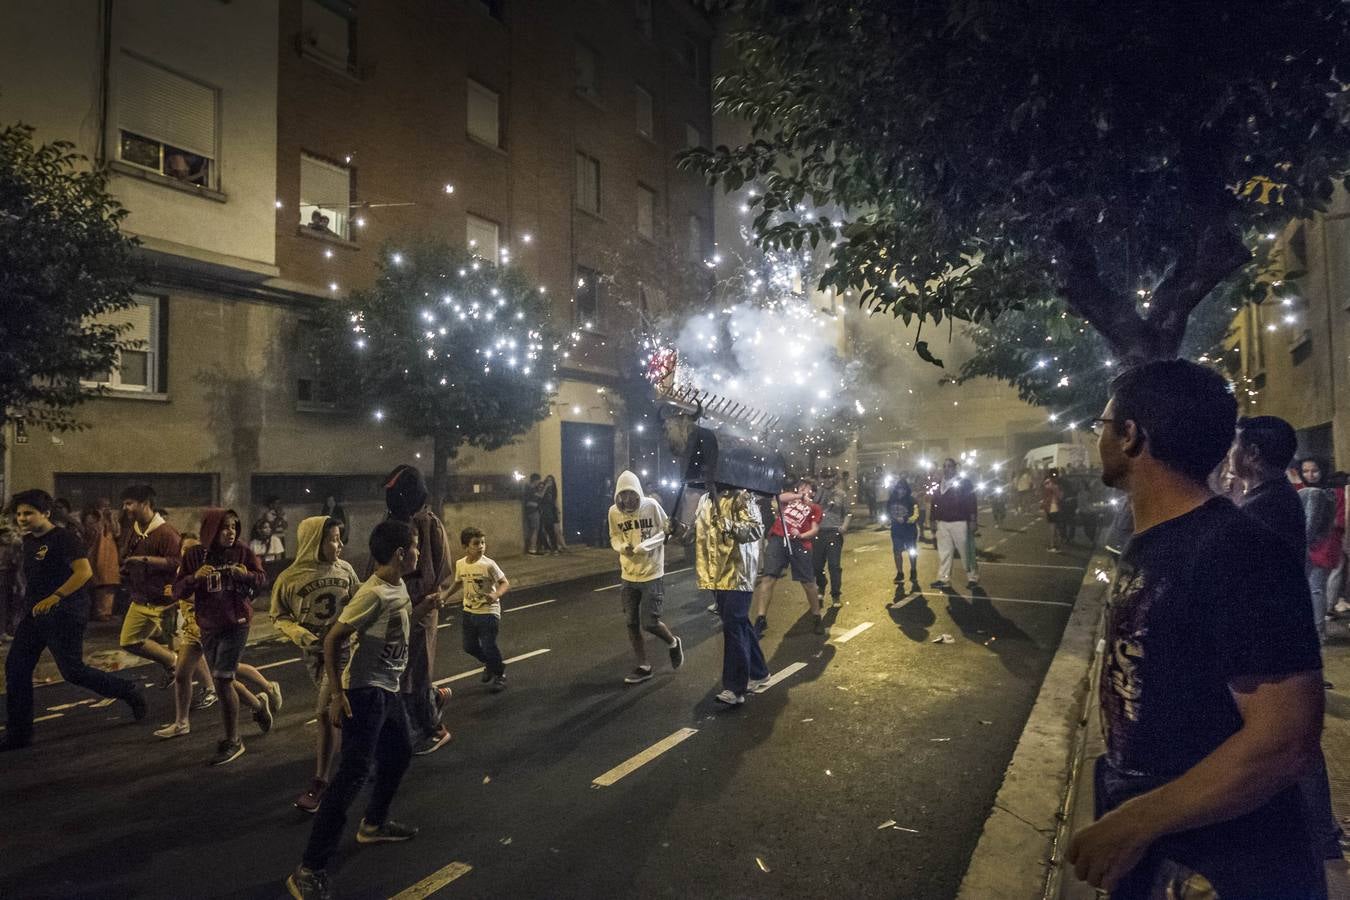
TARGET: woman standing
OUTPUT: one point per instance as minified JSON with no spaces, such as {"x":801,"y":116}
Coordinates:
{"x":550,"y":529}
{"x":903,"y":511}
{"x":96,"y":527}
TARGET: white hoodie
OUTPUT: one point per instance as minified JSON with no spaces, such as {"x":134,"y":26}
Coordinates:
{"x":643,"y":530}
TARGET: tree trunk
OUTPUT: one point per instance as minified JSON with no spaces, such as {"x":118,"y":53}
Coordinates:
{"x":440,"y":471}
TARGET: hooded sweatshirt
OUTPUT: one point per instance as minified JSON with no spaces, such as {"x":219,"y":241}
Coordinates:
{"x":224,"y":600}
{"x":405,"y":496}
{"x":309,"y":594}
{"x":644,"y":530}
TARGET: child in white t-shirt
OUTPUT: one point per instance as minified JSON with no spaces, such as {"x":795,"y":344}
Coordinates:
{"x":483,"y":584}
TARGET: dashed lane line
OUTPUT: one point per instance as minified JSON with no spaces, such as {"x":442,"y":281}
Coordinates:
{"x":998,"y":599}
{"x":472,"y":672}
{"x":615,"y":587}
{"x":284,"y":662}
{"x":785,"y":672}
{"x":633,"y":763}
{"x":434,"y":882}
{"x":509,"y":609}
{"x":48,"y":718}
{"x":852,"y":633}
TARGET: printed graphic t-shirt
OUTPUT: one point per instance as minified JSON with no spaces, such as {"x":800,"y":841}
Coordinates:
{"x":379,"y":613}
{"x":799,"y":516}
{"x":1199,"y":601}
{"x":477,"y":580}
{"x":47,"y":562}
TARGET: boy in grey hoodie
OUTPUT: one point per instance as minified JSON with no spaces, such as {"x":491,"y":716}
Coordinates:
{"x":638,"y":532}
{"x":306,"y":600}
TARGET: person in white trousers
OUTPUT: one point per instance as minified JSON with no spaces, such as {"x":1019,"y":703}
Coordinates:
{"x":954,"y":513}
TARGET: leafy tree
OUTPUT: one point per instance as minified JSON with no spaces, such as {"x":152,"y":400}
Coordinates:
{"x":63,"y":261}
{"x":987,"y":152}
{"x":446,"y":346}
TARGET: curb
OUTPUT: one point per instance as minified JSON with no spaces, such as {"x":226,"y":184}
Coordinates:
{"x":1017,"y":856}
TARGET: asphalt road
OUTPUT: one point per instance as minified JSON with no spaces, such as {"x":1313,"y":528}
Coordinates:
{"x":785,"y":796}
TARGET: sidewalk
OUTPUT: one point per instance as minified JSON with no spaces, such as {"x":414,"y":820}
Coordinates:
{"x":100,"y":641}
{"x":1335,"y":747}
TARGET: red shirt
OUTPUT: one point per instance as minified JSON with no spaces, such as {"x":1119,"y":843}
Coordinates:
{"x":800,"y":516}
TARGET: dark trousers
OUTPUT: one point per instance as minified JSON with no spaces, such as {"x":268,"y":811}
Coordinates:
{"x":63,"y":635}
{"x":419,"y":695}
{"x":742,"y":659}
{"x":826,"y":551}
{"x":480,"y":641}
{"x":377,"y":732}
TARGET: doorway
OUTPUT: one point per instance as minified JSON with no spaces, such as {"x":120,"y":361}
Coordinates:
{"x":587,"y":482}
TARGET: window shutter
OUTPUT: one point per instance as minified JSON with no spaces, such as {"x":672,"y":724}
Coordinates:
{"x":485,"y":233}
{"x":484,"y":114}
{"x":324,"y":184}
{"x":165,"y":107}
{"x":646,"y":209}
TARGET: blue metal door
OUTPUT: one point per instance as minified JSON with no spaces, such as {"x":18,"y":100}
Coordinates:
{"x":587,"y":482}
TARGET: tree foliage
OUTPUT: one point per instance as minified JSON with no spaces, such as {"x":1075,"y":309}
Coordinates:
{"x":63,"y":261}
{"x":446,"y":346}
{"x":986,"y":152}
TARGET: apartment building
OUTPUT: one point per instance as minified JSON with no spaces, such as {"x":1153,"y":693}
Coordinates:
{"x":268,"y":150}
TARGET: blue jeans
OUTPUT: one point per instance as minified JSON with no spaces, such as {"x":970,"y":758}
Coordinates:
{"x":1317,"y":584}
{"x":480,"y":641}
{"x":742,"y":660}
{"x":376,"y":733}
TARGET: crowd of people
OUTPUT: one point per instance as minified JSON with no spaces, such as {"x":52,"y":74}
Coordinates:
{"x":1211,"y":688}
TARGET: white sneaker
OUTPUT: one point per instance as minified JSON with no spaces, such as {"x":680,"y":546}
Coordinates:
{"x":173,"y":730}
{"x":730,"y":698}
{"x":712,"y":607}
{"x":761,"y":685}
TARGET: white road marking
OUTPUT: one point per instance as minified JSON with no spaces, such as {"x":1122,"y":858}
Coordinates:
{"x":785,"y":672}
{"x":312,"y":722}
{"x":529,"y":605}
{"x":633,"y":763}
{"x":106,"y":701}
{"x":1033,"y":566}
{"x":615,"y":587}
{"x":852,"y":633}
{"x":478,"y":670}
{"x":1002,"y":599}
{"x":434,"y":882}
{"x":49,"y":718}
{"x":284,"y":662}
{"x":69,"y":705}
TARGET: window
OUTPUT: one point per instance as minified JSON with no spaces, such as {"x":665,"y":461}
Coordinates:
{"x":328,"y":32}
{"x":692,"y":136}
{"x":484,"y":114}
{"x":691,"y":58}
{"x":588,"y":183}
{"x":588,"y":72}
{"x":325,"y":196}
{"x":695,"y":246}
{"x":173,"y":490}
{"x":482,"y":235}
{"x":646,"y":212}
{"x":494,"y":8}
{"x":651,"y":300}
{"x":589,"y":290}
{"x":644,"y":111}
{"x":166,"y":123}
{"x":140,"y":365}
{"x":643,"y":12}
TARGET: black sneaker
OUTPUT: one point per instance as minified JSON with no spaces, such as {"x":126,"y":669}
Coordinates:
{"x":389,"y":832}
{"x":227,"y":751}
{"x":137,"y":703}
{"x":761,"y":626}
{"x":499,"y":684}
{"x":302,"y":884}
{"x":638,"y":675}
{"x":263,"y":714}
{"x":432,"y":743}
{"x":485,"y":677}
{"x":819,"y":627}
{"x":836,"y":602}
{"x":914,"y":588}
{"x":677,"y":654}
{"x":940,"y":585}
{"x":165,"y":677}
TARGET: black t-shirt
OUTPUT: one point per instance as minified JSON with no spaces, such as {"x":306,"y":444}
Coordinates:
{"x":1275,"y":504}
{"x":1199,"y":601}
{"x":47,"y":563}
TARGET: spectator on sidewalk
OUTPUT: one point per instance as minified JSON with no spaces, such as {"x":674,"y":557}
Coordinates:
{"x":954,"y":512}
{"x":1261,"y":451}
{"x":1324,"y":515}
{"x":55,"y":573}
{"x":276,"y":522}
{"x":405,"y":496}
{"x":150,"y":555}
{"x":529,"y":511}
{"x":1211,"y":684}
{"x":550,"y":524}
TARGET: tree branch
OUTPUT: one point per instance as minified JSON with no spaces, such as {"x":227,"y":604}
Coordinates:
{"x":1129,"y":336}
{"x":1205,"y":262}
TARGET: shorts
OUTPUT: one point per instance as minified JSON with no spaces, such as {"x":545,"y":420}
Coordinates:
{"x":144,"y":622}
{"x":189,"y":635}
{"x":223,"y":650}
{"x":633,"y":593}
{"x":777,"y":558}
{"x":903,"y":537}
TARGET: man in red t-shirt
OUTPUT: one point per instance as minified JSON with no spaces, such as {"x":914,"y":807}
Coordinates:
{"x":789,"y":545}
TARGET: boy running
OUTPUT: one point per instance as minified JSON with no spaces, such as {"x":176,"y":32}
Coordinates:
{"x":789,"y":546}
{"x":484,"y":585}
{"x":306,"y":599}
{"x":637,"y":532}
{"x":55,"y":572}
{"x":150,"y":551}
{"x":221,"y":575}
{"x":368,"y":708}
